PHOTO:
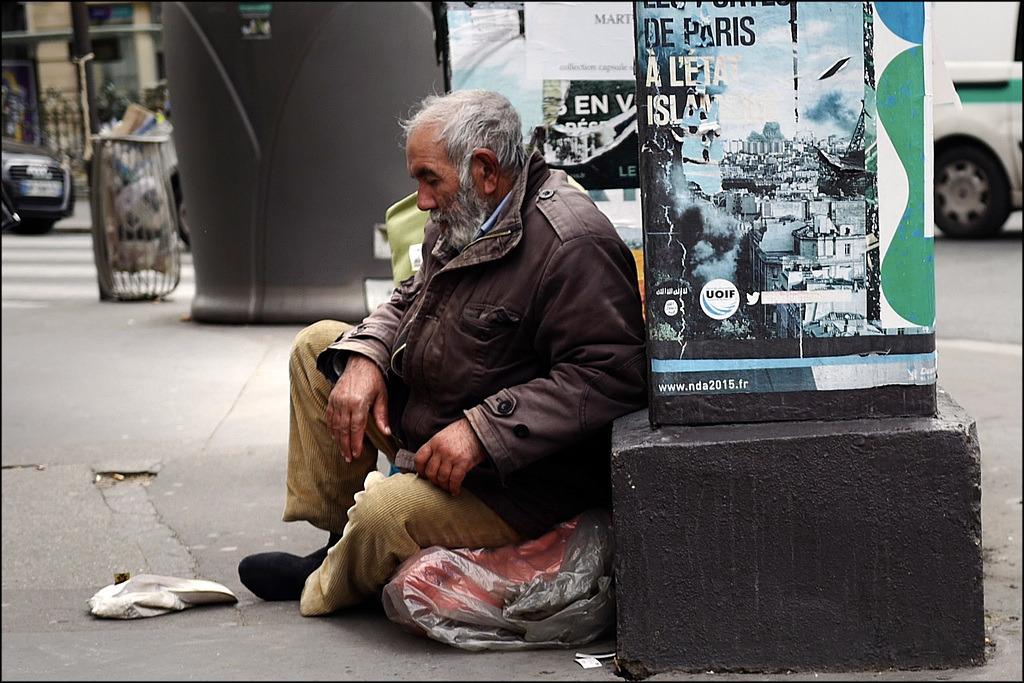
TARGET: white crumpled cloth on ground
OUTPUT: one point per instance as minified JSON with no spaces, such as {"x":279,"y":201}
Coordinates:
{"x":149,"y":595}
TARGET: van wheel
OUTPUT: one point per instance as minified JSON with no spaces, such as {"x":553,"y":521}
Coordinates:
{"x":972,"y":197}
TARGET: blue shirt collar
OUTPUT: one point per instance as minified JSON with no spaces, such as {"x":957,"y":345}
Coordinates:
{"x":489,"y":223}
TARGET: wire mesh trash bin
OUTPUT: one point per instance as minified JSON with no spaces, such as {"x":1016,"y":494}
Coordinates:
{"x":135,"y":232}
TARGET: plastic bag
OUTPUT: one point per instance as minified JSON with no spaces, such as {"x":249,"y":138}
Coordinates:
{"x":555,"y":591}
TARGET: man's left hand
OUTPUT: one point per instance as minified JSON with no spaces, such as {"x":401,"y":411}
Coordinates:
{"x":449,"y":455}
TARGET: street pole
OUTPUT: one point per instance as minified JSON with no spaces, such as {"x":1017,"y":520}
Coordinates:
{"x":82,"y":53}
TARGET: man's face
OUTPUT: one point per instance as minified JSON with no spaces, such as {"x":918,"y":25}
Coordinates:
{"x":456,"y":206}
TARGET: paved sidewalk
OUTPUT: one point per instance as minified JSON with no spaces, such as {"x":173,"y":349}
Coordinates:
{"x":195,"y":418}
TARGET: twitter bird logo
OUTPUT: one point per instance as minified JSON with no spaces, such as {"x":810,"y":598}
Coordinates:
{"x":752,"y":299}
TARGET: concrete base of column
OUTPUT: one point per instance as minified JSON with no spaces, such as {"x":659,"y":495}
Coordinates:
{"x":811,"y":545}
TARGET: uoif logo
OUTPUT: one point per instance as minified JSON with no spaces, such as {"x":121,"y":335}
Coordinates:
{"x":719,"y":299}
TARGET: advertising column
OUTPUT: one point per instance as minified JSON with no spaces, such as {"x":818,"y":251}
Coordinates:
{"x":785,"y":175}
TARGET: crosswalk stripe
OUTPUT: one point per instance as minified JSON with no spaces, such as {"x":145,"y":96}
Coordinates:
{"x":42,"y":270}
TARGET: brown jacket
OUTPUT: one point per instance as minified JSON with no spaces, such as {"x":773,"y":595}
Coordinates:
{"x":535,"y":334}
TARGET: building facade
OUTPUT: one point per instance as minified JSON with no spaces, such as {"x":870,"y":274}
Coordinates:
{"x":42,"y":99}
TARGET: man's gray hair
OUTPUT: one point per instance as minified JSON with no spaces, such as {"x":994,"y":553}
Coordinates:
{"x":469,"y":120}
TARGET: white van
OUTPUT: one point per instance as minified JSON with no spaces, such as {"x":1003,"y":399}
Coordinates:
{"x":978,"y":145}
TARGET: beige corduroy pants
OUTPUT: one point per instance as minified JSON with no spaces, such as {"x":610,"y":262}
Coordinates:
{"x":382,"y":520}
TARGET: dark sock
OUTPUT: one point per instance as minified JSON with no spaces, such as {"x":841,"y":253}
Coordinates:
{"x":321,"y":553}
{"x":281,"y":576}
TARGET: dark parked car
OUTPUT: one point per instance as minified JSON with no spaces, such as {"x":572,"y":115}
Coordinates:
{"x":38,"y":184}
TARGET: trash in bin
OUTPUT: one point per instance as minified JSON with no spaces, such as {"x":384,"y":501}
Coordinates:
{"x":135,"y":232}
{"x":139,"y":209}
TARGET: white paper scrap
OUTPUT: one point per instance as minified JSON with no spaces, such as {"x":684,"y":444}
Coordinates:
{"x":588,"y":662}
{"x":591,"y":661}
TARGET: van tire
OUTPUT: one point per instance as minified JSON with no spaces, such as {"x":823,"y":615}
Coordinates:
{"x":972,"y":196}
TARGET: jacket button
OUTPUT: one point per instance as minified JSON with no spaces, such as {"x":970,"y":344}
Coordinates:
{"x":505,"y":407}
{"x":522,"y":431}
{"x":546,"y":194}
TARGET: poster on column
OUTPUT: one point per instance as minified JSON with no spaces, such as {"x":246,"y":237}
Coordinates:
{"x":568,"y":69}
{"x":785,"y":178}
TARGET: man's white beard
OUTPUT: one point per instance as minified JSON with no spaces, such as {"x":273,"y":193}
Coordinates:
{"x":468,"y":213}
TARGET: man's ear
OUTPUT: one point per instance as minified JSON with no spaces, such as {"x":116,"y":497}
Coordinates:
{"x":486,"y":170}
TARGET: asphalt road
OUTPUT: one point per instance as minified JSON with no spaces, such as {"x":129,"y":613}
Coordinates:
{"x":195,"y":418}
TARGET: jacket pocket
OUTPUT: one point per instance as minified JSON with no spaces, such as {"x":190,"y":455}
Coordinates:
{"x":486,"y":322}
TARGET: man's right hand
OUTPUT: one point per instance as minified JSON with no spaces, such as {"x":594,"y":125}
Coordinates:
{"x":359,"y":393}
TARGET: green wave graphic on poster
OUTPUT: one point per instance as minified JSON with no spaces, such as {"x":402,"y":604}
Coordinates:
{"x":908,"y":269}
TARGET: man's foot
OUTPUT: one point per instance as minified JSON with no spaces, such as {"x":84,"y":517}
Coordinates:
{"x":281,"y":576}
